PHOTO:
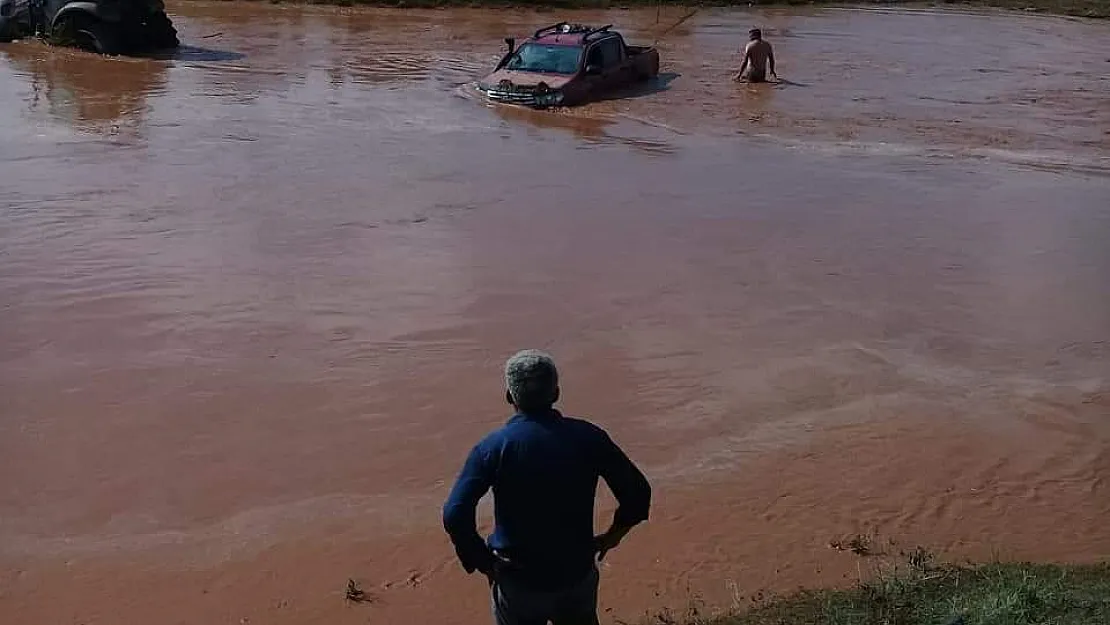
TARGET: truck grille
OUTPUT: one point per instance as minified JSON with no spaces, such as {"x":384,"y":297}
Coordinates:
{"x":512,"y":96}
{"x":506,"y":91}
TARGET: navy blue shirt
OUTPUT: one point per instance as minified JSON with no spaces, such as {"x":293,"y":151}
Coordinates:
{"x":544,"y":472}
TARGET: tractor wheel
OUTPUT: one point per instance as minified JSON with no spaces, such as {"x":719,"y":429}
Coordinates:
{"x":161,"y":32}
{"x":87,"y":33}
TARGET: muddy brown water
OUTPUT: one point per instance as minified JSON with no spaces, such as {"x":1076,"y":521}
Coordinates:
{"x":254,"y":300}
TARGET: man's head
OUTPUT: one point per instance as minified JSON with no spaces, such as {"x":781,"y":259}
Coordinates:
{"x":531,"y":381}
{"x":755,"y":34}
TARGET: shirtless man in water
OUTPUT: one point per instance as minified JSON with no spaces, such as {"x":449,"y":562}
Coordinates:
{"x":758,"y":53}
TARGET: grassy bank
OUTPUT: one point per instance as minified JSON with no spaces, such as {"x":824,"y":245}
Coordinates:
{"x":994,"y":594}
{"x":1076,"y":8}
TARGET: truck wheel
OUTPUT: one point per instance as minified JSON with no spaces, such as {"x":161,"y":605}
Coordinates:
{"x":161,"y":31}
{"x":6,"y":34}
{"x":86,"y":33}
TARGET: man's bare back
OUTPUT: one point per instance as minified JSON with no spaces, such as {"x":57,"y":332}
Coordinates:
{"x":758,"y":54}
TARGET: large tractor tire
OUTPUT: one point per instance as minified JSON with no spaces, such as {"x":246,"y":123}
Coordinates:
{"x":15,"y":22}
{"x":87,"y":33}
{"x":160,"y":32}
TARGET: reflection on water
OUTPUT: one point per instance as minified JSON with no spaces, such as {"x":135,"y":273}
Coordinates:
{"x":89,"y":92}
{"x":593,"y":129}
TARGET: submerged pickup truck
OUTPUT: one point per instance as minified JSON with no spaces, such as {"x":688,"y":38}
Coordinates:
{"x":567,"y":64}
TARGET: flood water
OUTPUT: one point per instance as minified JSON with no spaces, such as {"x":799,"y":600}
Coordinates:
{"x":254,"y":301}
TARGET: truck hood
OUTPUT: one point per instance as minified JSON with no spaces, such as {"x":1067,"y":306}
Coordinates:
{"x":525,"y":79}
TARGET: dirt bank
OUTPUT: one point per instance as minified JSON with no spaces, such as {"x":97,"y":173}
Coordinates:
{"x":1099,"y":9}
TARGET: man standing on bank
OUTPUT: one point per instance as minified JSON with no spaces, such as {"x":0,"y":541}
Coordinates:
{"x":541,"y":560}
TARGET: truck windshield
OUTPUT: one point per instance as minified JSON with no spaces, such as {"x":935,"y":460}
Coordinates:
{"x":533,"y":57}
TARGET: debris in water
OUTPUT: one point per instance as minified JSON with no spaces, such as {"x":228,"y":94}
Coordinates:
{"x":355,"y":593}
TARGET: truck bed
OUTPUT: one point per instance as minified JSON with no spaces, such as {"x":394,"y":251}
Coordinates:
{"x":645,"y":59}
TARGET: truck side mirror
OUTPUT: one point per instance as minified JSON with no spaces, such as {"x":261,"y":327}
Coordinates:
{"x":511,"y":43}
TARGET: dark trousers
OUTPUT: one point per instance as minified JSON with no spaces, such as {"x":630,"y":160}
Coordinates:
{"x":514,"y":604}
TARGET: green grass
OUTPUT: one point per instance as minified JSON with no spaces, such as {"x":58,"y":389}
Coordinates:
{"x":1075,"y":8}
{"x":921,"y":594}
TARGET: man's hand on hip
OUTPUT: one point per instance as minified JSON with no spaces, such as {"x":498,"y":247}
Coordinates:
{"x":495,"y":565}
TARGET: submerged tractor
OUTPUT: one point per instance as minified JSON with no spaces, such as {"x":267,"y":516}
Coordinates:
{"x":102,"y":26}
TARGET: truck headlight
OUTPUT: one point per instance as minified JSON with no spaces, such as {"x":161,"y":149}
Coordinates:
{"x":550,"y":98}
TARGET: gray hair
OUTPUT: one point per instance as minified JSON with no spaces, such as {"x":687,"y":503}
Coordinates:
{"x":532,"y":379}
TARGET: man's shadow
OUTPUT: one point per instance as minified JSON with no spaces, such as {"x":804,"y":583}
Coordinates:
{"x":790,"y":83}
{"x":195,"y":53}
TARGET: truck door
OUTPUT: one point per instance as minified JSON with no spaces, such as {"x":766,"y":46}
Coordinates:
{"x":594,"y":68}
{"x":613,"y":63}
{"x":605,"y":64}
